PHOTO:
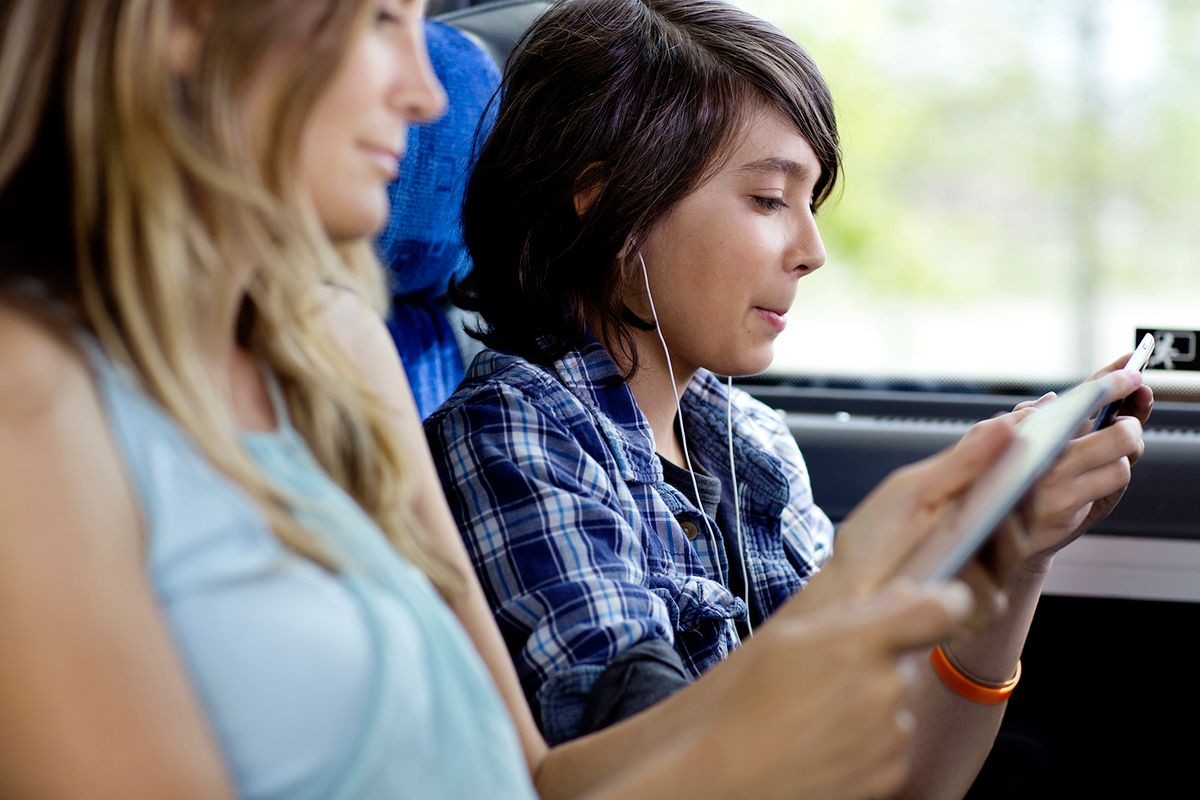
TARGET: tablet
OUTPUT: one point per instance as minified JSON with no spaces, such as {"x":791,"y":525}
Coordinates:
{"x":1036,"y":445}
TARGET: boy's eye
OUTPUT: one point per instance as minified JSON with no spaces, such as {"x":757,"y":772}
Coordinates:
{"x":769,"y":203}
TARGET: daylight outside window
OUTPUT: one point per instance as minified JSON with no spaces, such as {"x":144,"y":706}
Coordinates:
{"x":1021,"y":191}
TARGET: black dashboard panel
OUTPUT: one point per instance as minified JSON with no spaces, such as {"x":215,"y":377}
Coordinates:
{"x":851,"y":440}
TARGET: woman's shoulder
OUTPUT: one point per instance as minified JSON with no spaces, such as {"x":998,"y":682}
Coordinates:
{"x":362,"y":335}
{"x":45,"y":381}
{"x":56,"y":449}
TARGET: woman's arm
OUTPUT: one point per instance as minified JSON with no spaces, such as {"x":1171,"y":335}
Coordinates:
{"x":93,"y":698}
{"x":366,"y":341}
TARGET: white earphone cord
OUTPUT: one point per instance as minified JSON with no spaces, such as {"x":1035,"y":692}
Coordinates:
{"x":737,"y":516}
{"x":737,"y":508}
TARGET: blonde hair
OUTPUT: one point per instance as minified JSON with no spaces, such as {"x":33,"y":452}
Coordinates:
{"x":165,"y":180}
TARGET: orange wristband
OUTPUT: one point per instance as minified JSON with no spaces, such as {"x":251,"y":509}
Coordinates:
{"x":965,"y":686}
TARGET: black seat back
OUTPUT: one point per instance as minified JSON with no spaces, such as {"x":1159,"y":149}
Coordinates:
{"x":497,"y":26}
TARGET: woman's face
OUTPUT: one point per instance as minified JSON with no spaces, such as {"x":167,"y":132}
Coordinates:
{"x":355,"y":136}
{"x":723,"y":264}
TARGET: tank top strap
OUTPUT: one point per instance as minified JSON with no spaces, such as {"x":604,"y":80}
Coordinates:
{"x":117,"y":382}
{"x":275,"y":393}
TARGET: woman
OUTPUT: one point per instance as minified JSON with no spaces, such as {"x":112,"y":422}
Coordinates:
{"x":213,"y":528}
{"x":638,"y":220}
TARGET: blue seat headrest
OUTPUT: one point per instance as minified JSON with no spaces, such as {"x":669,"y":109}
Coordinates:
{"x":422,"y":246}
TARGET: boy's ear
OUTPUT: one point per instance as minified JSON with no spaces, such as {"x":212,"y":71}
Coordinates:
{"x":593,"y":183}
{"x":583,"y":200}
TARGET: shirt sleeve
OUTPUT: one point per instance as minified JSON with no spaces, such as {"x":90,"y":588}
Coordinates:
{"x":638,"y":678}
{"x":558,"y":554}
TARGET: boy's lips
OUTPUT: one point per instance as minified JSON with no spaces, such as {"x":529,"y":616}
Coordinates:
{"x":773,"y":317}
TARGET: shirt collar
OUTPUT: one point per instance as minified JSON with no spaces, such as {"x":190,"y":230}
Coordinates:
{"x":593,"y":377}
{"x":760,"y":478}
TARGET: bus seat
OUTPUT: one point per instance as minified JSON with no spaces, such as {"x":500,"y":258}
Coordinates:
{"x":422,"y":246}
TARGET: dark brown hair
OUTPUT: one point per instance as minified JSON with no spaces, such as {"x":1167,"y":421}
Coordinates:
{"x":631,"y":104}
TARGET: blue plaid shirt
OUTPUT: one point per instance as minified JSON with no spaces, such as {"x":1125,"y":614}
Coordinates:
{"x":583,"y":549}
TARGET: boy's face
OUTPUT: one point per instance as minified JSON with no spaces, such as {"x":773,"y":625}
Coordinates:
{"x":724,"y":263}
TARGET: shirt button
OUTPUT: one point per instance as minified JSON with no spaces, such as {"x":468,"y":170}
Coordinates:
{"x":689,"y":530}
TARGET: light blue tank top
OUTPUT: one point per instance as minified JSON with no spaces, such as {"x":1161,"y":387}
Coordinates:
{"x":360,"y":684}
